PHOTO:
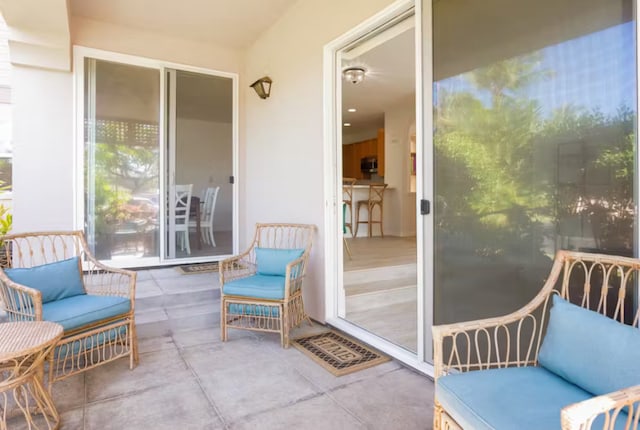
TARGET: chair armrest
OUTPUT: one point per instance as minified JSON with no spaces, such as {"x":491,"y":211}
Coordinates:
{"x":21,"y":303}
{"x":507,"y":341}
{"x":580,"y":416}
{"x":238,"y":266}
{"x":294,"y":275}
{"x":102,"y":280}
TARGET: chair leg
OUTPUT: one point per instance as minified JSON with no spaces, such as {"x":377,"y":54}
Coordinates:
{"x":346,"y":246}
{"x":357,"y":220}
{"x":212,"y":239}
{"x":370,"y":215}
{"x":223,"y":321}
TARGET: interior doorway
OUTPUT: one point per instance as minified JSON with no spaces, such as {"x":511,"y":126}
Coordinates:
{"x":378,"y":295}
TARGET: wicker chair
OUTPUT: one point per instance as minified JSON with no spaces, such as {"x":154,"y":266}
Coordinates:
{"x":487,"y":350}
{"x":98,"y":323}
{"x":271,"y":302}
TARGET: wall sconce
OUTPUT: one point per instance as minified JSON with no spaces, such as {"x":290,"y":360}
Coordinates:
{"x":262,"y":87}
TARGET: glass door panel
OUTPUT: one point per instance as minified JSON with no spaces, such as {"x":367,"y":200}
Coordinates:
{"x":377,"y":229}
{"x":121,"y":160}
{"x":534,"y":145}
{"x":200,"y":154}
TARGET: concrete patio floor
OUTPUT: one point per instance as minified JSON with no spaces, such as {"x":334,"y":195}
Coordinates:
{"x":188,"y":379}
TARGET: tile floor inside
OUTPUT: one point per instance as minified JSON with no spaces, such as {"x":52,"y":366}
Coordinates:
{"x":188,"y":379}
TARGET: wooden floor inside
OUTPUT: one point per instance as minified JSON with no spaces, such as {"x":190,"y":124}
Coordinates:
{"x":372,"y":252}
{"x":380,"y":287}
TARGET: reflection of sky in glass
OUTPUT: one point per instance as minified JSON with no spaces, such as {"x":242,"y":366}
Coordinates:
{"x":594,"y":72}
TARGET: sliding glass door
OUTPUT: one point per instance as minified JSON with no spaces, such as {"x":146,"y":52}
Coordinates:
{"x":199,"y":158}
{"x":121,"y":159}
{"x":149,"y":132}
{"x":534,"y":145}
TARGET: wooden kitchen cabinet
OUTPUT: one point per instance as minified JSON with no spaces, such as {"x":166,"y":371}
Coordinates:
{"x":354,"y":152}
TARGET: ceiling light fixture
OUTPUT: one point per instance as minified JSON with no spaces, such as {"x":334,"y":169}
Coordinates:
{"x":355,"y":75}
{"x":351,"y":110}
{"x":262,"y":87}
{"x":347,"y":124}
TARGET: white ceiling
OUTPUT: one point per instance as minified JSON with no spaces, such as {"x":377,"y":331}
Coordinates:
{"x":390,"y":79}
{"x":231,"y":23}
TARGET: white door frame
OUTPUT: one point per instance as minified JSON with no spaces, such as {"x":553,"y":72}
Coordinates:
{"x":333,"y":188}
{"x":79,"y":55}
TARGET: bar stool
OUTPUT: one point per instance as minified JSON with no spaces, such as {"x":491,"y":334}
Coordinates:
{"x":347,"y":199}
{"x":376,"y":198}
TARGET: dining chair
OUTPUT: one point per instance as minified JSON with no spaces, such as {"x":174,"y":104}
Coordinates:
{"x":181,"y":215}
{"x":347,"y":198}
{"x":376,"y":199}
{"x":207,"y":216}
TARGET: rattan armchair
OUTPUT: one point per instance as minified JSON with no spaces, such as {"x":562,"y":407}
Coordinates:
{"x":104,"y":332}
{"x":267,"y":304}
{"x":592,"y":281}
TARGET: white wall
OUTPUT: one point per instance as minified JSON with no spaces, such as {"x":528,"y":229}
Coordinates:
{"x":283,"y":142}
{"x":204,"y":159}
{"x":399,"y":204}
{"x":43,"y":150}
{"x":127,"y":40}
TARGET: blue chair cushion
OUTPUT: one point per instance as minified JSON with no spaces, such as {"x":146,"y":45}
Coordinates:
{"x":55,"y":281}
{"x":78,"y":311}
{"x":258,"y":286}
{"x":273,"y":261}
{"x":590,"y":350}
{"x":523,"y":398}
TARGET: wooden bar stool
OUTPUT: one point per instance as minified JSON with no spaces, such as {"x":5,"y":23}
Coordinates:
{"x":376,"y":198}
{"x":347,"y":199}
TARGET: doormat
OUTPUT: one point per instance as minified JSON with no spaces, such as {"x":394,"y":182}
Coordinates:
{"x":338,"y":354}
{"x":191,"y":269}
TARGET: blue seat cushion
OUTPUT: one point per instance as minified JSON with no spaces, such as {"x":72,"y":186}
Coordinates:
{"x":273,"y":261}
{"x":590,"y":350}
{"x":258,"y":286}
{"x":78,"y":311}
{"x":55,"y":281}
{"x":523,"y":398}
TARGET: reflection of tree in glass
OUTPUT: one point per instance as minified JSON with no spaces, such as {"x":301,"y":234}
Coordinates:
{"x":486,"y":149}
{"x":125,"y":165}
{"x":603,"y":193}
{"x":497,"y":163}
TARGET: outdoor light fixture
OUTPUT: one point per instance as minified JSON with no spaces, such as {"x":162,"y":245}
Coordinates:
{"x":262,"y":87}
{"x":355,"y":75}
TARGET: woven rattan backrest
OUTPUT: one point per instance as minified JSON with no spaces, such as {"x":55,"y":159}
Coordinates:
{"x":284,"y":236}
{"x":347,"y":189}
{"x":603,"y":283}
{"x":376,"y":192}
{"x":37,"y":248}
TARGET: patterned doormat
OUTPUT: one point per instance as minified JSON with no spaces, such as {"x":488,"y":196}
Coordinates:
{"x":338,"y":354}
{"x":197,"y":268}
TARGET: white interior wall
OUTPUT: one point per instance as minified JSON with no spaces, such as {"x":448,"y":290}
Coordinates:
{"x":283,"y":141}
{"x":204,"y":159}
{"x":399,"y":203}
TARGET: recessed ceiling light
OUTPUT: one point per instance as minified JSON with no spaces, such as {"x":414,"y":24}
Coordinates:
{"x":347,"y":124}
{"x":351,"y":110}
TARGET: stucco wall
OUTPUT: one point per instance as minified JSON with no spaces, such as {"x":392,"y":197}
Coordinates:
{"x":283,"y":142}
{"x":43,"y":157}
